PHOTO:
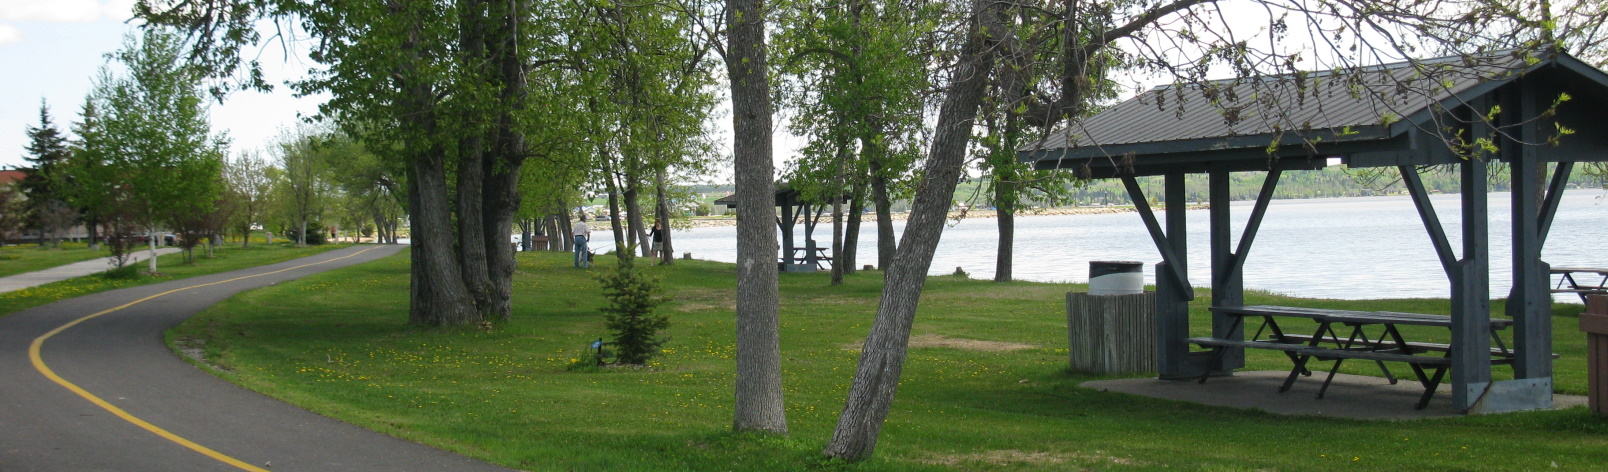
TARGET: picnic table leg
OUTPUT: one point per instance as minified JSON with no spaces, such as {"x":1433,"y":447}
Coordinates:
{"x":1270,"y":324}
{"x":1327,"y":381}
{"x":1386,"y":370}
{"x":1301,"y":361}
{"x":1429,"y":388}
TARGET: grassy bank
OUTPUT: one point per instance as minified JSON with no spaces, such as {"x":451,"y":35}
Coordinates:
{"x":30,"y":257}
{"x":986,"y":386}
{"x":171,"y":266}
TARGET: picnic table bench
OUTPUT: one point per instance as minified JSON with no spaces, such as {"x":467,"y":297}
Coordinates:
{"x":1569,"y":284}
{"x":1325,"y":344}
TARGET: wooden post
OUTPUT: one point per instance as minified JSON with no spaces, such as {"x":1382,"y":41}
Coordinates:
{"x":1228,"y":286}
{"x":1173,"y":292}
{"x":1529,"y":303}
{"x":1471,"y":294}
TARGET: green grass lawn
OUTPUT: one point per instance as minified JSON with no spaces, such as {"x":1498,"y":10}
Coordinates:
{"x":171,"y":266}
{"x":30,"y":257}
{"x":986,"y":386}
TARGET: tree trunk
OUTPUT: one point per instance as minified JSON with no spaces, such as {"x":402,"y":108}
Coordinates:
{"x":94,"y":234}
{"x":501,"y":195}
{"x":882,"y":357}
{"x":614,"y":206}
{"x":839,"y":188}
{"x":633,"y":210}
{"x":474,"y":265}
{"x":526,"y":230}
{"x":666,"y":251}
{"x":759,"y":405}
{"x":437,"y":295}
{"x":150,"y":235}
{"x":884,"y":207}
{"x":851,"y":231}
{"x":1005,"y":208}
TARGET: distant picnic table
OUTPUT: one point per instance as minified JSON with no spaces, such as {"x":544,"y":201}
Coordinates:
{"x":1577,"y":280}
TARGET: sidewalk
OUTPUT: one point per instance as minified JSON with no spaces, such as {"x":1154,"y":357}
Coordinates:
{"x":76,"y":269}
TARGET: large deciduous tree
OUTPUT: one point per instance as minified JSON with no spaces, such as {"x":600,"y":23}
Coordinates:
{"x":759,"y":405}
{"x":442,"y":87}
{"x":859,"y":73}
{"x":151,"y":139}
{"x":247,"y":182}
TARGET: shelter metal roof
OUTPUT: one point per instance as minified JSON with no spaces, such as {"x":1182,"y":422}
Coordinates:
{"x":1291,"y":120}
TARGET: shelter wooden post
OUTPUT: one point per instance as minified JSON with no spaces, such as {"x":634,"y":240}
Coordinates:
{"x":1173,"y":291}
{"x":785,"y":223}
{"x":1471,"y":295}
{"x":1529,"y":303}
{"x":1228,"y":286}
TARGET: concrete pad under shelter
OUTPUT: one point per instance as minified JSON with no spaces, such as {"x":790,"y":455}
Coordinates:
{"x":1350,"y":396}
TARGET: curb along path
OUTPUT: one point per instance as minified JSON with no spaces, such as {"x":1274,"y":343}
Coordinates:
{"x":91,"y":386}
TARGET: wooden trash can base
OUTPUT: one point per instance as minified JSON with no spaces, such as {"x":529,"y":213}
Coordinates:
{"x":1595,"y":323}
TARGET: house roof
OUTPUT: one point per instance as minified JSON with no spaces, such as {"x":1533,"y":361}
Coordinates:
{"x":1297,"y":120}
{"x":12,"y":176}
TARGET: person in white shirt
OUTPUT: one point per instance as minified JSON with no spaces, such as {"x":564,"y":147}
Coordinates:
{"x":582,"y":234}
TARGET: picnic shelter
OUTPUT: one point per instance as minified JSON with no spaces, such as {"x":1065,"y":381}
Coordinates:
{"x":794,"y":208}
{"x":1515,"y":107}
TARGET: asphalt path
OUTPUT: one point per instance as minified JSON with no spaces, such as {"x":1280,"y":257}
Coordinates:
{"x":159,"y":413}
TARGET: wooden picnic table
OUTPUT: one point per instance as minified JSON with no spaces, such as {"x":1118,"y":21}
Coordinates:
{"x":1388,"y":345}
{"x":1569,"y":284}
{"x":802,"y":254}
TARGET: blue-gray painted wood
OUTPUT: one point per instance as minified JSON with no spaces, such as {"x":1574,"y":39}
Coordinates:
{"x":1471,"y":310}
{"x":1529,"y":303}
{"x":1228,"y":286}
{"x":1157,"y":236}
{"x":1254,"y":223}
{"x":1432,"y":224}
{"x":1549,"y":207}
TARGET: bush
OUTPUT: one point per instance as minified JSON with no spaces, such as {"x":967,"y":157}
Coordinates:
{"x":315,"y":236}
{"x":632,"y":297}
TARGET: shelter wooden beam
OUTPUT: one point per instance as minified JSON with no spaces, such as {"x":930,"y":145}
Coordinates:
{"x":1432,"y":224}
{"x":1549,"y":207}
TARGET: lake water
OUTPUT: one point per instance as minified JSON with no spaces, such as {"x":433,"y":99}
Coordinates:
{"x":1346,"y":248}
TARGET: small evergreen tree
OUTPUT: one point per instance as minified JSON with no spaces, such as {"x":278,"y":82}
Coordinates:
{"x":632,"y":297}
{"x":48,"y":152}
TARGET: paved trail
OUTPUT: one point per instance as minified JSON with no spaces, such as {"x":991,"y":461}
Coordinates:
{"x":121,"y":401}
{"x":76,"y":269}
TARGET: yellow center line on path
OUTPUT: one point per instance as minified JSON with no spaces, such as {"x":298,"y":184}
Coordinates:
{"x":39,"y":364}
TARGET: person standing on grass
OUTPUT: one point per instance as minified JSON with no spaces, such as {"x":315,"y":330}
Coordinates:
{"x":657,"y":236}
{"x":582,"y":234}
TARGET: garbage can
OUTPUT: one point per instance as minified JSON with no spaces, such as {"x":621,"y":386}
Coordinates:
{"x":1595,"y":323}
{"x":1116,"y":278}
{"x":1110,"y":329}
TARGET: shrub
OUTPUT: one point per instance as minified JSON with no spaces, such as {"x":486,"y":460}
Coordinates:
{"x":315,"y":236}
{"x":632,"y":297}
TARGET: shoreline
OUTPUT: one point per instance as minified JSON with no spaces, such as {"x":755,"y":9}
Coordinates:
{"x":713,"y":222}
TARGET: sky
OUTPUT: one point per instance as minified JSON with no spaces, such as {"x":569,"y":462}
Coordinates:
{"x":50,"y":49}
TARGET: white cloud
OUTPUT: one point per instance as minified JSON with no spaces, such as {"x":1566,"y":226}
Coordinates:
{"x":9,"y":34}
{"x":64,"y":11}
